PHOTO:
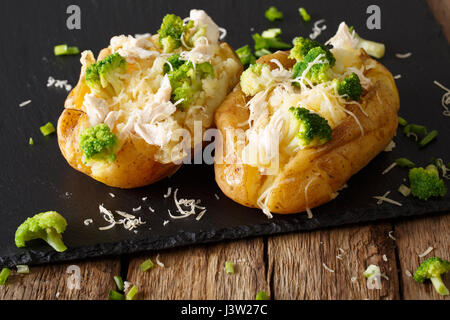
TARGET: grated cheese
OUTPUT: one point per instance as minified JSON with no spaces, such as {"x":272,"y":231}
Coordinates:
{"x":445,"y":171}
{"x":151,"y":209}
{"x":317,"y":31}
{"x":392,"y":166}
{"x":398,"y":76}
{"x":159,"y":263}
{"x":188,"y":203}
{"x":426,"y":252}
{"x":112,"y":195}
{"x":385,"y":258}
{"x":25,"y":103}
{"x":390,"y":146}
{"x":165,"y":222}
{"x":169,"y":192}
{"x":384,"y":198}
{"x":88,"y":222}
{"x":137,"y":209}
{"x":52,"y":82}
{"x":327,"y":268}
{"x":403,"y":55}
{"x":144,"y":198}
{"x":391,"y":236}
{"x":129,"y":221}
{"x":217,"y":197}
{"x":445,"y":99}
{"x":408,"y":273}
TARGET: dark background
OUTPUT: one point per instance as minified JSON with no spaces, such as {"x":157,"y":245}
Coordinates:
{"x":36,"y":178}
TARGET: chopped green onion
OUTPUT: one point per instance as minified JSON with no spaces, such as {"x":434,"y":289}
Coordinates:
{"x":21,"y":268}
{"x":402,"y":121}
{"x":119,"y":283}
{"x":271,"y":33}
{"x":146,"y":265}
{"x":31,"y":141}
{"x":229,"y":267}
{"x":415,"y":128}
{"x":114,"y":295}
{"x":131,"y":293}
{"x":306,"y":17}
{"x":404,"y":190}
{"x":428,"y":138}
{"x":262,"y":52}
{"x":262,"y":295}
{"x":405,"y":163}
{"x":47,"y":129}
{"x":64,"y":50}
{"x":273,"y":14}
{"x":4,"y":274}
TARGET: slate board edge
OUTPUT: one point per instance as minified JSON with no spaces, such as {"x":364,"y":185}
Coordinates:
{"x":272,"y":227}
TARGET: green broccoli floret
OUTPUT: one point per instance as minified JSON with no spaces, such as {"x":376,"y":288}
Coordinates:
{"x":313,"y":130}
{"x":305,"y":16}
{"x":374,"y":49}
{"x":245,"y":55}
{"x":98,"y":143}
{"x":302,"y":46}
{"x":170,"y":32}
{"x":106,"y":74}
{"x":425,"y":183}
{"x":432,"y":269}
{"x":47,"y":226}
{"x":186,"y":79}
{"x":350,"y":87}
{"x":175,"y":63}
{"x":269,"y":43}
{"x":273,"y":14}
{"x":319,"y":72}
{"x":255,"y":78}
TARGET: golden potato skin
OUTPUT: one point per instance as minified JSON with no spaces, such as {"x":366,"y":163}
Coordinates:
{"x":324,"y":169}
{"x":135,"y":165}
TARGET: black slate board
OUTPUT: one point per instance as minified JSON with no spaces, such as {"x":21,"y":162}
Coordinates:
{"x":36,"y":179}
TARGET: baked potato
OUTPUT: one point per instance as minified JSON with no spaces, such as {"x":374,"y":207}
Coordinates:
{"x":292,"y":134}
{"x":129,"y":120}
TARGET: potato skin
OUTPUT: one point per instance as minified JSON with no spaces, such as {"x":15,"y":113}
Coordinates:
{"x":322,"y":170}
{"x":135,"y":165}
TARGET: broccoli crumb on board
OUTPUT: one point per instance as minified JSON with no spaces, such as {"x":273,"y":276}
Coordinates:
{"x":432,"y":269}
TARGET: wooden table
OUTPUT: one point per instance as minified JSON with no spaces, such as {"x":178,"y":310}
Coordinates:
{"x":287,"y":267}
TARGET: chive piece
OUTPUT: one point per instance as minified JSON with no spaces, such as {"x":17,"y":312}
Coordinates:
{"x":4,"y":274}
{"x":262,"y":295}
{"x":404,"y":190}
{"x":271,"y":33}
{"x":114,"y":295}
{"x":428,"y":138}
{"x":21,"y":268}
{"x":262,"y":52}
{"x":415,"y":128}
{"x":132,"y":293}
{"x":31,"y":141}
{"x":64,"y":50}
{"x":119,"y":283}
{"x":306,"y":17}
{"x":229,"y":267}
{"x":146,"y":265}
{"x":47,"y":129}
{"x":404,"y":163}
{"x":402,"y":121}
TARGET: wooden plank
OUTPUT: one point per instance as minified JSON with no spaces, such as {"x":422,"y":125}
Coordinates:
{"x":441,"y":11}
{"x":197,"y":272}
{"x":296,"y":263}
{"x":413,"y":238}
{"x":51,"y":282}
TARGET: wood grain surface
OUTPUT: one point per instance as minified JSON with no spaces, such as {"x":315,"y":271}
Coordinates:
{"x":287,"y":267}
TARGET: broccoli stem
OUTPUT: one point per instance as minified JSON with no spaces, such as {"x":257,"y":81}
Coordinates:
{"x":439,"y":285}
{"x":54,"y":239}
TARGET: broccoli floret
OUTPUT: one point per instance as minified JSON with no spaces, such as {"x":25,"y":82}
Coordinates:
{"x":432,"y":269}
{"x":317,"y":73}
{"x":186,"y":79}
{"x":174,"y":61}
{"x":305,"y":16}
{"x":252,"y":80}
{"x":47,"y":226}
{"x":350,"y":87}
{"x":425,"y":183}
{"x":106,"y":74}
{"x":98,"y":143}
{"x":269,"y":43}
{"x":273,"y":14}
{"x":170,"y":32}
{"x":245,"y":55}
{"x":313,"y":130}
{"x":374,"y":49}
{"x":302,"y":46}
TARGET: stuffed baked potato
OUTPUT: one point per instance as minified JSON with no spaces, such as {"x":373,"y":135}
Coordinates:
{"x":127,"y":121}
{"x":301,"y":123}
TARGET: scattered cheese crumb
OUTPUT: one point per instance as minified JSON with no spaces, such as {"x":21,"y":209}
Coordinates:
{"x":217,"y":197}
{"x":151,"y":209}
{"x":316,"y":31}
{"x":391,"y":236}
{"x":423,"y":254}
{"x":159,"y":263}
{"x":385,"y":258}
{"x":403,"y":55}
{"x":57,"y":295}
{"x":129,"y":222}
{"x":445,"y":99}
{"x":165,"y":222}
{"x":408,"y":273}
{"x":25,"y":103}
{"x":126,"y":285}
{"x":353,"y":279}
{"x":112,"y":195}
{"x":144,"y":198}
{"x":52,"y":82}
{"x":392,"y":166}
{"x":137,"y":209}
{"x":88,"y":222}
{"x":384,"y":198}
{"x":390,"y":146}
{"x":398,"y":76}
{"x":327,"y":268}
{"x":169,"y":192}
